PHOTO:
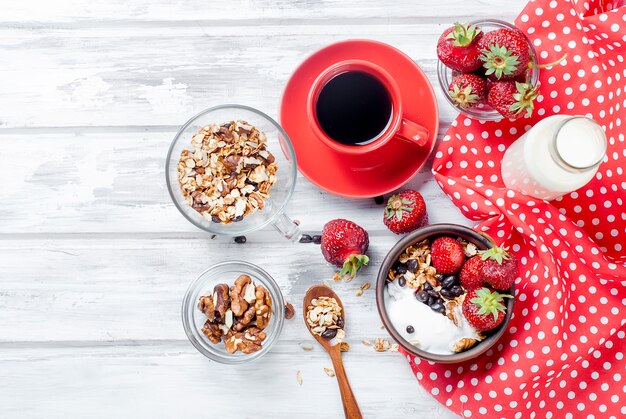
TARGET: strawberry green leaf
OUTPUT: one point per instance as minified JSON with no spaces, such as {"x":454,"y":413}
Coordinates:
{"x":490,"y":302}
{"x":495,"y":253}
{"x":352,"y":265}
{"x":499,"y":61}
{"x":524,"y":98}
{"x":463,"y":97}
{"x":463,"y":35}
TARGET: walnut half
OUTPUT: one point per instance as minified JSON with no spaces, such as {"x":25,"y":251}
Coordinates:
{"x":464,"y":344}
{"x":263,"y":307}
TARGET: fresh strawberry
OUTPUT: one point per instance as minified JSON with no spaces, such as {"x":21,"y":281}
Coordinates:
{"x":405,"y":212}
{"x":483,"y":308}
{"x":505,"y":53}
{"x":457,"y":47}
{"x":344,"y":245}
{"x":468,"y":90}
{"x":446,"y":255}
{"x":499,"y":268}
{"x":512,"y":99}
{"x":471,"y":275}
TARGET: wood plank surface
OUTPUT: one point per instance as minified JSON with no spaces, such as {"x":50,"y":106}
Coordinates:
{"x":94,"y":257}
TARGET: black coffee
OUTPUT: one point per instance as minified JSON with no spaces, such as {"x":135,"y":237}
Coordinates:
{"x":353,"y":108}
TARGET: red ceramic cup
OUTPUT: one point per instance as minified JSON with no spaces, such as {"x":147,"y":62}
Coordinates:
{"x":398,"y":129}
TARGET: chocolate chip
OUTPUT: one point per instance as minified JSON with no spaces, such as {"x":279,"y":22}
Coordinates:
{"x":400,"y":268}
{"x":402,"y":281}
{"x":431,"y":300}
{"x":439,"y":308}
{"x":456,"y":290}
{"x":410,"y":329}
{"x":329,"y":333}
{"x":427,"y":286}
{"x":215,"y":219}
{"x":433,"y":293}
{"x":412,"y":265}
{"x":340,"y":322}
{"x":306,"y":239}
{"x":448,"y":281}
{"x":422,"y":297}
{"x":446,"y":293}
{"x":317,"y":239}
{"x":237,"y":219}
{"x":240,"y":239}
{"x":379,"y":200}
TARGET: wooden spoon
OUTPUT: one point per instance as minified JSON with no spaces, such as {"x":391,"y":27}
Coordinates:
{"x":350,"y":406}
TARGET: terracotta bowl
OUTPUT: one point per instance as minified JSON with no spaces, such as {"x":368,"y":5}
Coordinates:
{"x":431,"y":232}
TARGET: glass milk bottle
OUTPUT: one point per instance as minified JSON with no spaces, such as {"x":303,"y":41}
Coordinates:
{"x":560,"y":154}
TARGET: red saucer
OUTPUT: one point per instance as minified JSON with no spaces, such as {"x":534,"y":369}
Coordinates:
{"x":380,"y":171}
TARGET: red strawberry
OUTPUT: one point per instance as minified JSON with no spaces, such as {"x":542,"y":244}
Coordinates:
{"x":446,"y":255}
{"x":344,"y":245}
{"x":512,"y":99}
{"x":471,"y":275}
{"x":505,"y":53}
{"x":499,"y":268}
{"x":483,"y":308}
{"x":405,"y":212}
{"x":468,"y":90}
{"x":457,"y":47}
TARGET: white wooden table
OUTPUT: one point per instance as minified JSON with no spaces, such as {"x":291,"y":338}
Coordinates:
{"x":94,"y":258}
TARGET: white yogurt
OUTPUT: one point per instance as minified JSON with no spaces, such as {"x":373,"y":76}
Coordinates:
{"x":558,"y":155}
{"x":435,"y":332}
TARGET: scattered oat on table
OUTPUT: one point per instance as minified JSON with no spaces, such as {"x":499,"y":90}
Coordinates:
{"x":344,"y":347}
{"x":382,"y":345}
{"x":299,"y":377}
{"x":306,"y":346}
{"x":329,"y":372}
{"x":366,"y":342}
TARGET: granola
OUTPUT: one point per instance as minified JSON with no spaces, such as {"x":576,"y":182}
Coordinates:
{"x":325,"y":318}
{"x":228,"y":172}
{"x":237,"y":315}
{"x":412,"y":279}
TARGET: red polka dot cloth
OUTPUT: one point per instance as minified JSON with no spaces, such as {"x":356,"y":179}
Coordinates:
{"x":562,"y":354}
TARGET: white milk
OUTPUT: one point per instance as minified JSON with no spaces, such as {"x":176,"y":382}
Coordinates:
{"x":560,"y":154}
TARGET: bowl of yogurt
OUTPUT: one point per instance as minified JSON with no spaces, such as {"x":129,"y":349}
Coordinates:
{"x":422,"y":308}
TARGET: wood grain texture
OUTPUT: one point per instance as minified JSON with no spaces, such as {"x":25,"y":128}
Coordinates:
{"x":114,"y":182}
{"x":94,"y":258}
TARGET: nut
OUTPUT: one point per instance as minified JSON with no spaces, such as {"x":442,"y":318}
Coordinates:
{"x":464,"y":344}
{"x":289,"y":311}
{"x":222,"y":300}
{"x":344,"y":347}
{"x":262,"y":307}
{"x":237,"y":301}
{"x":245,"y":320}
{"x":212,"y":331}
{"x":206,"y":306}
{"x":231,"y":318}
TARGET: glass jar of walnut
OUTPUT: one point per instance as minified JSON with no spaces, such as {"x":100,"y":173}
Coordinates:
{"x":194,"y":320}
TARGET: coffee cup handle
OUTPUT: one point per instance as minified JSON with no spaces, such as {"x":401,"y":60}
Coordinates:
{"x":414,"y":133}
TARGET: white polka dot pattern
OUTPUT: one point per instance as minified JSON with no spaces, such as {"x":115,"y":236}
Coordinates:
{"x":563,"y":352}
